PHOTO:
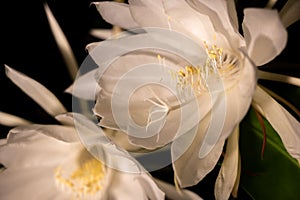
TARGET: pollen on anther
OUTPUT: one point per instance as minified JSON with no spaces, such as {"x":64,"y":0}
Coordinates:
{"x":220,"y":64}
{"x":87,"y":180}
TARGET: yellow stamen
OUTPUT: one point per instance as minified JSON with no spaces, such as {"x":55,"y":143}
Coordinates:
{"x":194,"y":78}
{"x":87,"y":180}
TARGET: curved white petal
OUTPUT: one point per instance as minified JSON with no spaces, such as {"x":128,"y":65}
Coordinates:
{"x":65,"y":119}
{"x":218,"y":12}
{"x":189,"y":168}
{"x":121,"y":139}
{"x":128,"y":185}
{"x":62,"y":43}
{"x":281,"y":120}
{"x":116,"y":14}
{"x":149,"y":13}
{"x":278,"y":77}
{"x":58,"y":132}
{"x":289,"y":14}
{"x":36,"y":91}
{"x":263,"y":42}
{"x":230,"y":107}
{"x":282,"y":100}
{"x":233,"y":14}
{"x":85,"y":86}
{"x":2,"y":142}
{"x":193,"y":23}
{"x":101,"y":33}
{"x":114,"y":32}
{"x":25,"y":147}
{"x":271,"y":3}
{"x":236,"y":185}
{"x":229,"y":169}
{"x":22,"y":183}
{"x":142,"y":101}
{"x":151,"y":189}
{"x":233,"y":104}
{"x":12,"y":120}
{"x":95,"y":141}
{"x":173,"y":193}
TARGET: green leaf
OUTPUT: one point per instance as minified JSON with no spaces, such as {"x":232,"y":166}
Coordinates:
{"x":277,"y":174}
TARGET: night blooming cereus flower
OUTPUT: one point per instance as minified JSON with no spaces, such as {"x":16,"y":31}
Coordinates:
{"x":183,"y":75}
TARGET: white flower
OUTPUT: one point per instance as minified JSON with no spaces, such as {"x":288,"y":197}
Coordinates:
{"x":49,"y":162}
{"x":213,"y":25}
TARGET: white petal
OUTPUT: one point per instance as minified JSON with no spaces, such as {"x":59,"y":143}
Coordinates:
{"x":231,"y":106}
{"x":62,"y":43}
{"x":289,"y":14}
{"x":104,"y":34}
{"x":2,"y":142}
{"x":282,"y":100}
{"x":173,"y":193}
{"x":138,"y":107}
{"x":116,"y":14}
{"x":29,"y":147}
{"x":281,"y":120}
{"x":128,"y":186}
{"x":101,"y":33}
{"x":65,"y":119}
{"x":193,"y":23}
{"x":233,"y":14}
{"x":12,"y":120}
{"x":31,"y":183}
{"x":264,"y":34}
{"x":121,"y":139}
{"x":278,"y":77}
{"x":61,"y":133}
{"x":149,"y":13}
{"x":229,"y":169}
{"x":236,"y":186}
{"x":271,"y":3}
{"x":95,"y":141}
{"x":152,"y":14}
{"x":218,"y":12}
{"x":85,"y":86}
{"x":36,"y":91}
{"x":189,"y":168}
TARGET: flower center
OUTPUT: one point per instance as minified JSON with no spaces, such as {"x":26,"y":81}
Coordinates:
{"x":220,"y":64}
{"x":85,"y":181}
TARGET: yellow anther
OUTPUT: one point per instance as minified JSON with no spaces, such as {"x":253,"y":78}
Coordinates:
{"x":158,"y":57}
{"x":212,"y":54}
{"x":181,"y":73}
{"x":85,"y":180}
{"x":194,"y":78}
{"x":191,"y":70}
